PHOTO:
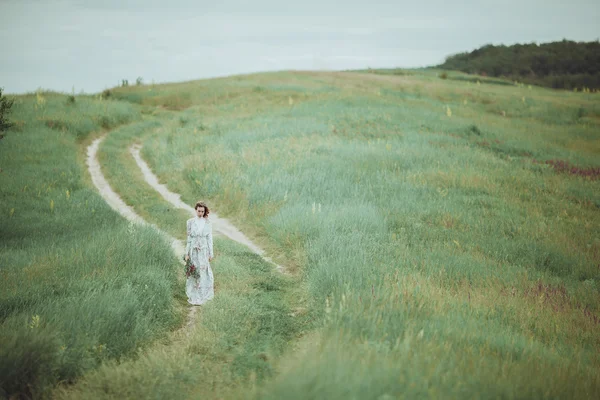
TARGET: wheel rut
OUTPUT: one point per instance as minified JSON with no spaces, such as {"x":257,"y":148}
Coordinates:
{"x":115,"y":201}
{"x":221,"y":225}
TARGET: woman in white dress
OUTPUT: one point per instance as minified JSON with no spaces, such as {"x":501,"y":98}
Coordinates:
{"x":200,"y":249}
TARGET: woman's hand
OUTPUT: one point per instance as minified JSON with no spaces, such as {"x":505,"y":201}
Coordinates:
{"x":187,"y":257}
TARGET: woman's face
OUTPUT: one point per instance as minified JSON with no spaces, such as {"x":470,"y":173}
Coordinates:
{"x":200,"y":212}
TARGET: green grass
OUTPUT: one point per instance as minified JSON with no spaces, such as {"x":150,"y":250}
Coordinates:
{"x":235,"y":342}
{"x":232,"y":348}
{"x":126,"y":177}
{"x":78,"y":284}
{"x":373,"y":187}
{"x":433,"y":252}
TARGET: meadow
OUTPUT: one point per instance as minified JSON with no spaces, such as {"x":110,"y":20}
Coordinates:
{"x":79,"y":284}
{"x":441,"y":237}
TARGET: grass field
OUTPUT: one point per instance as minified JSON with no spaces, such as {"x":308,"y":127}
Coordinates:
{"x":79,"y":285}
{"x":442,"y":239}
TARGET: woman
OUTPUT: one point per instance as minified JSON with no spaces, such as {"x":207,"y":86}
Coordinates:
{"x":200,"y":249}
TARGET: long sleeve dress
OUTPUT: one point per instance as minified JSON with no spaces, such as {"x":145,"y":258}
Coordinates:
{"x":200,"y":247}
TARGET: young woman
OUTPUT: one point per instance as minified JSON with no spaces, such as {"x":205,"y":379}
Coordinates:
{"x":199,"y":249}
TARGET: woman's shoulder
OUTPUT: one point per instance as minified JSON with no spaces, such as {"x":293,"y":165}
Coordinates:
{"x":207,"y":220}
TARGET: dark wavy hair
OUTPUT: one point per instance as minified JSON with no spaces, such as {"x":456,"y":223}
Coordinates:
{"x":202,"y":204}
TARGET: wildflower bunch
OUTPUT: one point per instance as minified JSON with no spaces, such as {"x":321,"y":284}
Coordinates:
{"x":190,"y":269}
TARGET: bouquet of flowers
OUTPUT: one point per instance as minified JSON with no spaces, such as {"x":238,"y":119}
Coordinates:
{"x":190,"y":269}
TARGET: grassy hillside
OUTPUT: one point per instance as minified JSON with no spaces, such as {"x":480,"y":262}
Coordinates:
{"x":560,"y":65}
{"x":443,"y":237}
{"x":78,"y":284}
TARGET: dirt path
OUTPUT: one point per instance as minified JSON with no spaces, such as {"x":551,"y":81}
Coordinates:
{"x":221,"y":225}
{"x":113,"y":200}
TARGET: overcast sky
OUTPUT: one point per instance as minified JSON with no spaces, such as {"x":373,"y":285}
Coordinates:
{"x":93,"y":44}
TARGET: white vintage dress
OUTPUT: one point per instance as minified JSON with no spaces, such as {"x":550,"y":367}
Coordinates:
{"x":200,"y":247}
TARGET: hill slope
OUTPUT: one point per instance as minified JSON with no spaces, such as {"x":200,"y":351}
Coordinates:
{"x":439,"y":247}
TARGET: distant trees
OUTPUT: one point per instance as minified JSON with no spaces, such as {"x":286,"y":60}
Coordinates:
{"x":139,"y":81}
{"x":562,"y":65}
{"x":5,"y":106}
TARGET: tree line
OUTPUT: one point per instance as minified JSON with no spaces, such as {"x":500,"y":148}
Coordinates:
{"x":562,"y":65}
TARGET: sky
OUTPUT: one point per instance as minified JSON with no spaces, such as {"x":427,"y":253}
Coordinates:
{"x":90,"y":45}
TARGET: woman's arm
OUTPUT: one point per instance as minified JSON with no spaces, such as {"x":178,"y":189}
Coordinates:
{"x":188,"y":245}
{"x":211,"y":253}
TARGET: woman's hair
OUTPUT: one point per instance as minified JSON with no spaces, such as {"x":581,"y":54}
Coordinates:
{"x":202,"y":204}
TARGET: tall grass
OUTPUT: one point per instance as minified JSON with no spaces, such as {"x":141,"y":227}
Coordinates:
{"x":125,"y":176}
{"x":231,"y":349}
{"x":441,"y":266}
{"x":233,"y":343}
{"x":79,"y":285}
{"x":435,"y":252}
